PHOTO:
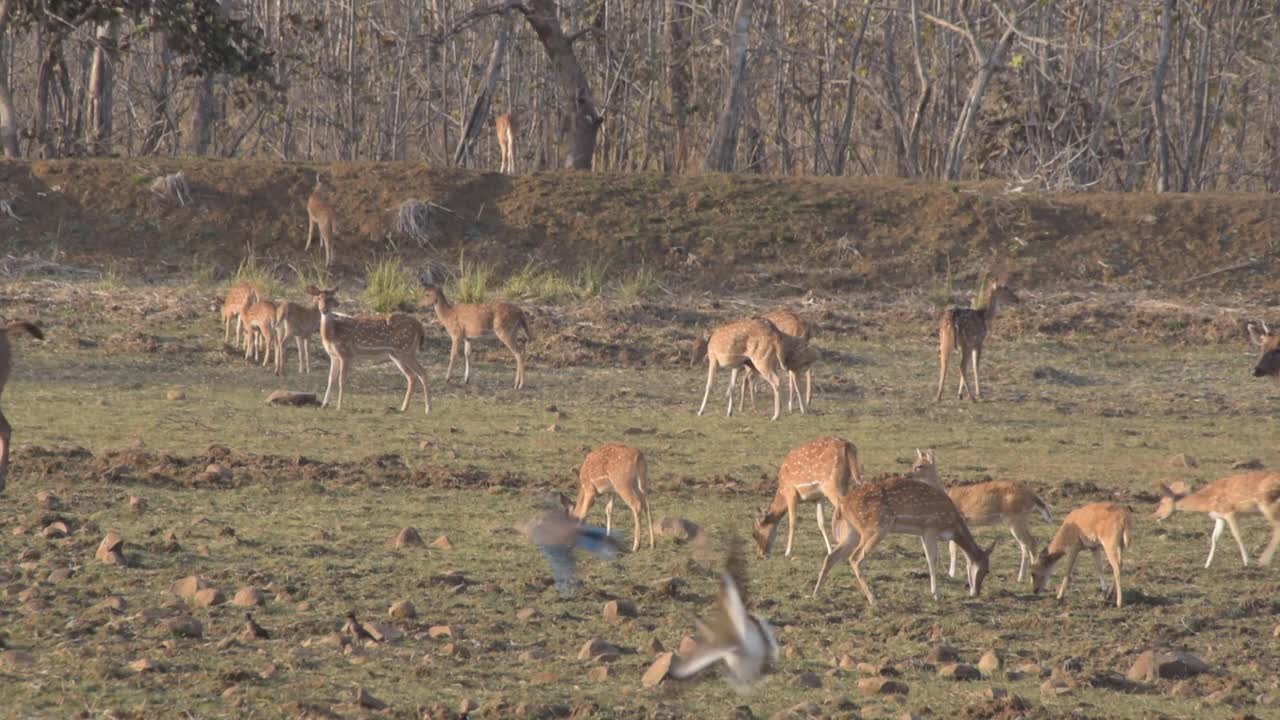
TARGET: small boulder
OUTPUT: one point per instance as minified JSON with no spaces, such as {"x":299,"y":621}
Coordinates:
{"x":617,"y":610}
{"x":942,"y":654}
{"x":1183,"y":460}
{"x":959,"y":672}
{"x":528,"y":614}
{"x":533,"y":654}
{"x":293,"y":399}
{"x":187,"y":587}
{"x":600,"y":673}
{"x":208,"y":597}
{"x":456,"y":651}
{"x":183,"y":626}
{"x":678,"y":529}
{"x":881,"y":686}
{"x":1170,"y":665}
{"x":55,"y":530}
{"x":1251,"y":464}
{"x":382,"y":633}
{"x":175,"y":395}
{"x":668,"y":586}
{"x":48,"y":500}
{"x":406,"y":537}
{"x":111,"y":550}
{"x":144,"y":665}
{"x":442,"y":543}
{"x":657,"y":672}
{"x":365,"y":699}
{"x":1056,"y":685}
{"x":137,"y":504}
{"x":990,"y":663}
{"x":113,"y":604}
{"x":808,"y":679}
{"x":403,"y":610}
{"x":598,"y":650}
{"x":249,"y":596}
{"x":441,"y":631}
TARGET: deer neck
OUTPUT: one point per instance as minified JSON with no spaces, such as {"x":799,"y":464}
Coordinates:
{"x":777,"y":508}
{"x":444,"y":309}
{"x":962,"y":537}
{"x":1199,"y":501}
{"x":989,"y":310}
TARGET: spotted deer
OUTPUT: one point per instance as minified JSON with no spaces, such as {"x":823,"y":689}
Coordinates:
{"x":399,"y":336}
{"x":965,"y":330}
{"x":322,"y":217}
{"x":299,"y":322}
{"x":506,"y":124}
{"x":1222,"y":500}
{"x":260,"y":325}
{"x":6,"y":366}
{"x":239,"y":298}
{"x":753,"y":341}
{"x":990,"y":503}
{"x":622,"y":470}
{"x":824,"y":468}
{"x":798,"y":357}
{"x":467,"y":322}
{"x":1269,"y":363}
{"x":1103,"y":528}
{"x":904,"y":506}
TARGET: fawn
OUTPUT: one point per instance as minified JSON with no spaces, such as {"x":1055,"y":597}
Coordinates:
{"x":300,"y":322}
{"x":754,"y":342}
{"x":621,"y":469}
{"x":321,"y":216}
{"x":465,"y":323}
{"x":906,"y":506}
{"x":1222,"y":499}
{"x":506,"y":124}
{"x":260,"y":327}
{"x":1269,"y":363}
{"x":1104,"y":529}
{"x":6,"y":365}
{"x":239,"y":298}
{"x":826,"y":467}
{"x":797,"y":355}
{"x":989,"y":503}
{"x":965,"y":329}
{"x":399,"y":336}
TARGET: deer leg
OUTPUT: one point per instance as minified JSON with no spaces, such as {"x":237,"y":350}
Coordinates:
{"x":792,"y":501}
{"x":251,"y":344}
{"x":944,"y":354}
{"x":1272,"y":513}
{"x":930,"y":541}
{"x":772,"y":379}
{"x":328,"y":246}
{"x":269,"y":341}
{"x":964,"y":374}
{"x":453,"y":356}
{"x":466,"y":361}
{"x":1100,"y":562}
{"x":298,"y":343}
{"x":855,"y":562}
{"x":1066,"y":576}
{"x":635,"y":515}
{"x":733,"y":382}
{"x":311,"y":226}
{"x":586,"y":496}
{"x":1218,"y":525}
{"x":1113,"y":556}
{"x":6,"y":433}
{"x":976,"y":395}
{"x":513,"y":347}
{"x":808,"y":387}
{"x":608,"y":516}
{"x":408,"y":391}
{"x":333,"y":372}
{"x":1026,"y":544}
{"x":711,"y":376}
{"x":342,"y":378}
{"x":411,"y":361}
{"x":226,"y":328}
{"x":951,"y":550}
{"x":837,"y":554}
{"x":822,"y":527}
{"x":306,"y":350}
{"x":1235,"y":533}
{"x":802,"y":401}
{"x":742,"y":394}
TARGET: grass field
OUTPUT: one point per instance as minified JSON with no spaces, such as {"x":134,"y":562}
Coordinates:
{"x":315,"y":495}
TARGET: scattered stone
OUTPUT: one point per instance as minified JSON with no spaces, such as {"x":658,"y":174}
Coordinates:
{"x":617,"y":610}
{"x":365,"y":699}
{"x":533,"y":654}
{"x":16,"y":659}
{"x":454,"y":650}
{"x":436,"y":632}
{"x":55,"y":530}
{"x":442,"y":543}
{"x":678,"y":529}
{"x":808,"y":679}
{"x":294,"y":399}
{"x":942,"y":654}
{"x":144,"y":665}
{"x":403,"y":610}
{"x":995,"y":693}
{"x":114,"y":604}
{"x":598,"y":650}
{"x":1183,"y":460}
{"x":528,"y":614}
{"x":48,"y":500}
{"x":657,"y":672}
{"x":1170,"y":665}
{"x":183,"y":626}
{"x":1029,"y":668}
{"x":1253,"y":464}
{"x":208,"y":597}
{"x":959,"y":672}
{"x":269,"y":672}
{"x":668,"y":586}
{"x":1056,"y":685}
{"x":846,"y":662}
{"x":137,"y":504}
{"x":600,"y":673}
{"x":406,"y":537}
{"x":59,"y":575}
{"x":175,"y":395}
{"x":111,"y":550}
{"x":881,"y":686}
{"x":249,"y":596}
{"x":990,"y":663}
{"x":187,"y":587}
{"x":382,"y":633}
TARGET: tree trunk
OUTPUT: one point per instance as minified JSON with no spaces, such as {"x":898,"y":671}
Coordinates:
{"x":840,"y":152}
{"x":1157,"y":98}
{"x":577,"y":109}
{"x":101,"y":82}
{"x":724,"y":143}
{"x":44,"y":93}
{"x":202,"y":111}
{"x":8,"y":114}
{"x":969,"y":111}
{"x":480,"y":109}
{"x":678,"y":14}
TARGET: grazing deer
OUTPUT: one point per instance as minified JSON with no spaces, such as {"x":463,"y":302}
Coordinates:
{"x":6,"y":365}
{"x":1103,"y":528}
{"x":465,"y":323}
{"x":321,"y":216}
{"x":506,"y":125}
{"x":797,"y":355}
{"x":239,"y":298}
{"x":827,"y":467}
{"x":1222,"y":499}
{"x":905,"y":506}
{"x":1269,"y":363}
{"x":399,"y":336}
{"x":965,"y":329}
{"x":755,"y":342}
{"x":621,"y":469}
{"x":300,"y":322}
{"x":989,"y":503}
{"x":260,"y":326}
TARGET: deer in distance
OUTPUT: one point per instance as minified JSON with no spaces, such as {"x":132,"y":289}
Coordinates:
{"x":1269,"y":362}
{"x":755,"y":342}
{"x":965,"y":330}
{"x":621,"y":470}
{"x":239,"y":298}
{"x":798,"y":357}
{"x":260,"y":325}
{"x":1103,"y":528}
{"x":1222,"y":500}
{"x":299,"y":322}
{"x":467,"y":322}
{"x":6,"y":366}
{"x":321,"y":217}
{"x":506,"y":124}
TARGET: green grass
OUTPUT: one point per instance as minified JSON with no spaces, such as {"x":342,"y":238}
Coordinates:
{"x":251,"y":272}
{"x":639,"y":285}
{"x":318,"y":530}
{"x":390,"y":286}
{"x":592,"y":277}
{"x":312,"y":272}
{"x":471,"y":283}
{"x":535,"y":282}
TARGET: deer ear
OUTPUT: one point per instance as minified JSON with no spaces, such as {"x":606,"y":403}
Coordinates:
{"x":1257,"y":332}
{"x":919,"y":455}
{"x":928,"y":455}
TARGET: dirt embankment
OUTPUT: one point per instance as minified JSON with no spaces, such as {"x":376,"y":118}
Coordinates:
{"x":828,"y":233}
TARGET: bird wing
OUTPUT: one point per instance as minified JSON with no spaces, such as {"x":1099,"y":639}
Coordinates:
{"x":734,"y":609}
{"x":597,"y":541}
{"x":700,"y":659}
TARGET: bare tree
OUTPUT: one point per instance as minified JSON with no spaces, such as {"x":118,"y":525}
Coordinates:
{"x":724,"y":142}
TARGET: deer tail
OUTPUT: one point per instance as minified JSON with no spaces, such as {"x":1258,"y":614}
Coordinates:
{"x":31,"y":328}
{"x":947,"y":331}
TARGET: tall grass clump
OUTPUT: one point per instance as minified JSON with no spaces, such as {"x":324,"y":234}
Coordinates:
{"x":471,"y":283}
{"x":311,"y":273}
{"x":252,"y":272}
{"x":389,"y":285}
{"x":592,"y":277}
{"x":641,"y":284}
{"x":534,"y":282}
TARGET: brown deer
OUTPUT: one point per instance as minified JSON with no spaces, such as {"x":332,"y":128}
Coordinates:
{"x":905,"y":506}
{"x":1104,"y":529}
{"x":465,"y":323}
{"x":6,"y":365}
{"x":798,"y":357}
{"x":1269,"y":363}
{"x":989,"y":503}
{"x":506,"y":125}
{"x":755,"y":342}
{"x":239,"y":298}
{"x":299,"y":322}
{"x":965,"y":329}
{"x":826,"y":467}
{"x":260,"y":326}
{"x":321,"y":216}
{"x":399,"y":336}
{"x":1222,"y":500}
{"x":621,"y":469}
